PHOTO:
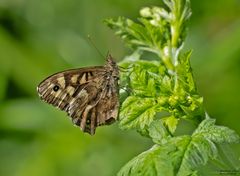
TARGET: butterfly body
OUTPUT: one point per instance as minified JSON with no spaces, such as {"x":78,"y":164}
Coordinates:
{"x":89,"y":95}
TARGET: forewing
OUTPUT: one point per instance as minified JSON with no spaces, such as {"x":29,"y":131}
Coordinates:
{"x":75,"y":89}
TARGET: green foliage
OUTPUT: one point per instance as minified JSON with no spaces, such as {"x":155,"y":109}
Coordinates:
{"x":180,"y":155}
{"x":140,"y":113}
{"x":217,"y":134}
{"x":39,"y":38}
{"x":162,"y":93}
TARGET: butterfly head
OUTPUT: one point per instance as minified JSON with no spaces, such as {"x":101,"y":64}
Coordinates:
{"x":112,"y":67}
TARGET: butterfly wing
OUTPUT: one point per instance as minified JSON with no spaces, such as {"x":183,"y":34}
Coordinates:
{"x":104,"y":109}
{"x":60,"y":88}
{"x":80,"y":92}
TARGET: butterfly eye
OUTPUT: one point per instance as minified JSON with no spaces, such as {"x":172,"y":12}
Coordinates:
{"x":56,"y":88}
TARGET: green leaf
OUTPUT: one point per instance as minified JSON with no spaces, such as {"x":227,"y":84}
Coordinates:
{"x":151,"y":162}
{"x":137,"y":113}
{"x":168,"y":87}
{"x":203,"y":145}
{"x":143,"y":77}
{"x":171,"y":123}
{"x":184,"y":70}
{"x":217,"y":134}
{"x":148,"y":35}
{"x":193,"y":108}
{"x":197,"y":153}
{"x":159,"y":160}
{"x":158,"y":132}
{"x":181,"y":155}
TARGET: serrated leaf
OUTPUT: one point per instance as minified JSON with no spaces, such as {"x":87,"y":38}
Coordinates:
{"x":167,"y":85}
{"x":142,"y":35}
{"x":193,"y":108}
{"x":158,"y":132}
{"x":159,"y":160}
{"x":143,"y":78}
{"x":217,"y":134}
{"x":203,"y":145}
{"x":185,"y":73}
{"x":190,"y":151}
{"x":152,"y":162}
{"x":197,"y":153}
{"x":137,"y":113}
{"x":143,"y":84}
{"x":171,"y":123}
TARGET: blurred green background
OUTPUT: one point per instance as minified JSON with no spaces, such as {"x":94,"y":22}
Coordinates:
{"x":38,"y":38}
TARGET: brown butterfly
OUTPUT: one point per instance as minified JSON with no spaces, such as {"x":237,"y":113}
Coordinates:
{"x":89,"y":95}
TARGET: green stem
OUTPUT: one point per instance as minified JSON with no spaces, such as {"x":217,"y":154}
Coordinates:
{"x":175,"y":34}
{"x":165,"y":55}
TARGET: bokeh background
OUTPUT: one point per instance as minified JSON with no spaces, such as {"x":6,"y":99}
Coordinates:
{"x":38,"y":38}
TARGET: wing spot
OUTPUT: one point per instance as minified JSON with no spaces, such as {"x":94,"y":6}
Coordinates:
{"x":61,"y":81}
{"x":56,"y":88}
{"x":83,"y":79}
{"x":70,"y":90}
{"x":74,"y":79}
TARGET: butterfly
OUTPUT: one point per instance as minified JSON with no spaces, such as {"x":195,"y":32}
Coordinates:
{"x":89,"y":95}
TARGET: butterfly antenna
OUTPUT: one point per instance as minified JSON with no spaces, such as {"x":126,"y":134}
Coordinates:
{"x":93,"y":44}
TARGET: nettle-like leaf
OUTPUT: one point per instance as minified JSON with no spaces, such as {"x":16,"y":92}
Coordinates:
{"x":217,"y":134}
{"x":153,"y":79}
{"x":137,"y":113}
{"x":170,"y":123}
{"x":141,"y":35}
{"x":150,"y":93}
{"x":152,"y":87}
{"x":158,"y":94}
{"x":203,"y":145}
{"x":151,"y":162}
{"x":143,"y":77}
{"x":159,"y":133}
{"x":185,"y":74}
{"x":181,"y":155}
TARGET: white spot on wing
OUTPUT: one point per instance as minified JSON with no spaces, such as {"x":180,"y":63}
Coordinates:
{"x":61,"y":81}
{"x":74,"y":79}
{"x":70,"y":90}
{"x":83,"y":79}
